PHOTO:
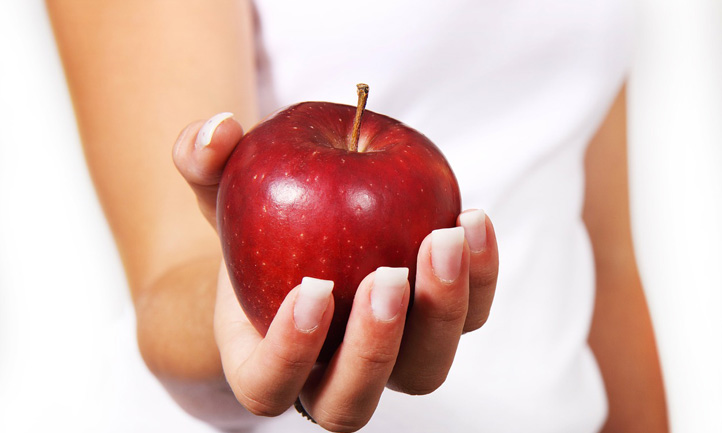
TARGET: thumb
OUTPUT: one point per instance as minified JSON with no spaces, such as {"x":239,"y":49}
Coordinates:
{"x":200,"y":154}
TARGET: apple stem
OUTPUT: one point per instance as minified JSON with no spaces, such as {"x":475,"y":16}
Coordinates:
{"x":363,"y":94}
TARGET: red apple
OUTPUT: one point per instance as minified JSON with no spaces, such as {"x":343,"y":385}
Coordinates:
{"x":299,"y":197}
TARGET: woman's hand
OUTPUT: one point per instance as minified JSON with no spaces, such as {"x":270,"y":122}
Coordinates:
{"x":383,"y":346}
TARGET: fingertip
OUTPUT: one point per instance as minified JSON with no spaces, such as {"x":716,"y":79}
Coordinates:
{"x":312,"y":300}
{"x":205,"y":134}
{"x":182,"y":143}
{"x":447,"y":249}
{"x":474,"y":223}
{"x":202,"y":151}
{"x":387,"y":292}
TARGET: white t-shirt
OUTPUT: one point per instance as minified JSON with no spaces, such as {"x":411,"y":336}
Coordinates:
{"x":511,"y":91}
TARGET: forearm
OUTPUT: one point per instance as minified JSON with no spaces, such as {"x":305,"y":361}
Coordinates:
{"x":138,"y":71}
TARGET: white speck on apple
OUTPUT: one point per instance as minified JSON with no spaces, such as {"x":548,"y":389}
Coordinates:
{"x":362,"y":201}
{"x":287,"y":192}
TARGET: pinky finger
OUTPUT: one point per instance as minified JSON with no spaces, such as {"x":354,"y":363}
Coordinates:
{"x":483,"y":266}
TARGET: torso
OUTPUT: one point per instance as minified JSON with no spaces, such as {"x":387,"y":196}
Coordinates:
{"x":511,"y":92}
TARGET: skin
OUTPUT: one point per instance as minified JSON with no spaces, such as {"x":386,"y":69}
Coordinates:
{"x":622,"y":336}
{"x":191,"y":332}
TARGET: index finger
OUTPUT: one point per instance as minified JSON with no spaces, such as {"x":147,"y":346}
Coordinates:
{"x":267,"y":373}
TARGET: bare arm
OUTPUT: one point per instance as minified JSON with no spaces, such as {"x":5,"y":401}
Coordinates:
{"x":621,"y":337}
{"x":137,"y":71}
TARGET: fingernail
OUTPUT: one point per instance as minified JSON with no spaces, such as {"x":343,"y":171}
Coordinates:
{"x":474,"y":223}
{"x":206,"y":133}
{"x":446,"y":251}
{"x":388,"y":291}
{"x":311,"y":302}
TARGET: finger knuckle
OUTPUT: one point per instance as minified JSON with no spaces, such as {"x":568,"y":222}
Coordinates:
{"x":483,"y":278}
{"x":449,"y":314}
{"x":261,"y":407}
{"x":417,"y":385}
{"x":376,"y":359}
{"x":341,"y":420}
{"x":283,"y":360}
{"x":477,"y":321}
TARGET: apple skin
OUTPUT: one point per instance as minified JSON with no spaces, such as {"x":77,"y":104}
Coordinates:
{"x":294,"y":202}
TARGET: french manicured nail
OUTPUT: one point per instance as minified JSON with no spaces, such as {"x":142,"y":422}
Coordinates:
{"x":311,"y":302}
{"x":447,"y":246}
{"x":205,"y":135}
{"x":474,"y":223}
{"x":387,"y":292}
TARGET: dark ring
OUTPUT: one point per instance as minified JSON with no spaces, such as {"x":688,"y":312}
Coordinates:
{"x":300,"y":409}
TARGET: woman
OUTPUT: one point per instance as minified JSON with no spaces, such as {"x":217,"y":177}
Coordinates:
{"x":512,"y":93}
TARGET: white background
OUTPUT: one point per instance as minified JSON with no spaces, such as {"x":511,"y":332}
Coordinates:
{"x":62,"y":290}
